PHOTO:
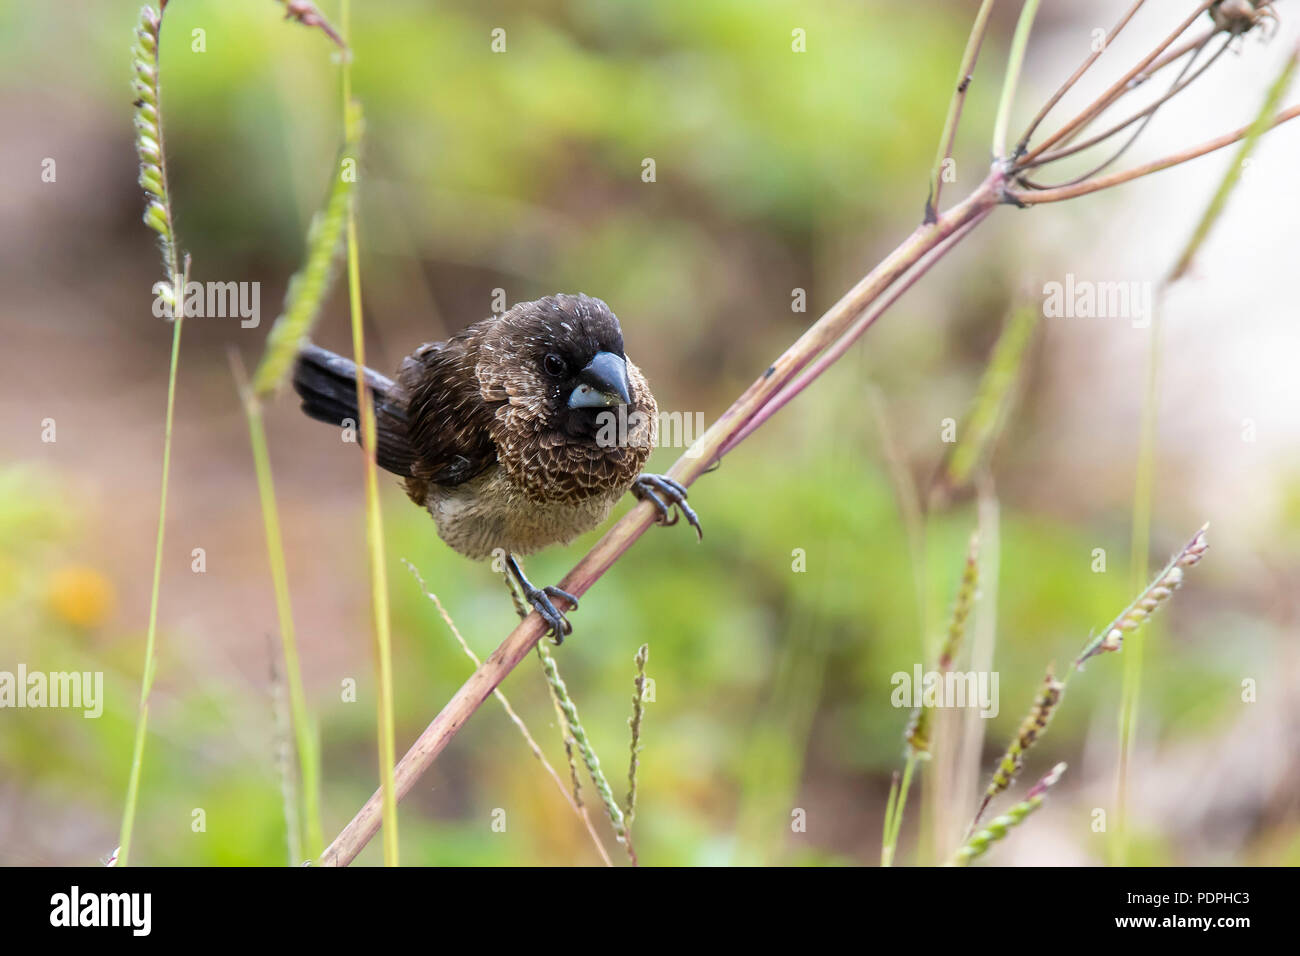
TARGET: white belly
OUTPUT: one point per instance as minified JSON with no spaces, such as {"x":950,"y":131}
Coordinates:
{"x":488,"y":513}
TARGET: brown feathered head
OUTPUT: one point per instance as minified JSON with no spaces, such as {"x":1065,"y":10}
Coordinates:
{"x":578,"y":417}
{"x":559,"y":363}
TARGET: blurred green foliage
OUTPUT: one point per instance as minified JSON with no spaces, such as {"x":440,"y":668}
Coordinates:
{"x":765,"y":677}
{"x":524,"y":170}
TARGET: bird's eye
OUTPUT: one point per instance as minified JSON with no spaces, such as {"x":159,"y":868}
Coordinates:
{"x":554,"y":365}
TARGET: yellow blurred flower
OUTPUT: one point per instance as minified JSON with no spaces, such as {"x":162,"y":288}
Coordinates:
{"x":80,"y":595}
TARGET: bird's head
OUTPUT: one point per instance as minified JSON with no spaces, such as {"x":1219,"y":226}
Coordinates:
{"x":559,"y":363}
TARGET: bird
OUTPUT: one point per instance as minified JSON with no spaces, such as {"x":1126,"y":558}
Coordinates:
{"x":520,"y":432}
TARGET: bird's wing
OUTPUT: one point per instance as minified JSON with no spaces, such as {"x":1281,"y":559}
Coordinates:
{"x":448,"y":421}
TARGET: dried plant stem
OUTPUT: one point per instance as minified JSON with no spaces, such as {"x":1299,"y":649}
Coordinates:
{"x":1074,"y":78}
{"x":1030,"y":197}
{"x":965,"y":74}
{"x":836,"y":351}
{"x":1121,"y":86}
{"x":1144,"y":115}
{"x":1173,"y":55}
{"x":1170,"y":56}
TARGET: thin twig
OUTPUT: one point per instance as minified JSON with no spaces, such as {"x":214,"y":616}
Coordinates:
{"x":863,"y":322}
{"x":965,"y":73}
{"x":1146,"y":116}
{"x":1118,"y":89}
{"x":1074,"y":78}
{"x":1029,"y":197}
{"x":1169,"y":57}
{"x":1173,"y":55}
{"x":1179,"y":85}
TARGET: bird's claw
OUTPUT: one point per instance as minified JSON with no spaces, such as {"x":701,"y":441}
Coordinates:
{"x":666,"y":493}
{"x":557,"y":623}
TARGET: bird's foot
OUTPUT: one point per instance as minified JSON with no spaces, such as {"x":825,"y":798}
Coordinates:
{"x":540,"y":599}
{"x":665,"y":493}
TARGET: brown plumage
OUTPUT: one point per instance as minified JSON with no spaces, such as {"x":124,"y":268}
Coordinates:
{"x":522,"y":431}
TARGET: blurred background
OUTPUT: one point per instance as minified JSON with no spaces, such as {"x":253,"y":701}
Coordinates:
{"x":775,"y":171}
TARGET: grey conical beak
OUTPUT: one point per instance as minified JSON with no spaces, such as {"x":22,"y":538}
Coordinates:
{"x":603,"y":383}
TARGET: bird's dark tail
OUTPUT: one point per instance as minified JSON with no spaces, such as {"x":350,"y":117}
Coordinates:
{"x":327,"y":384}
